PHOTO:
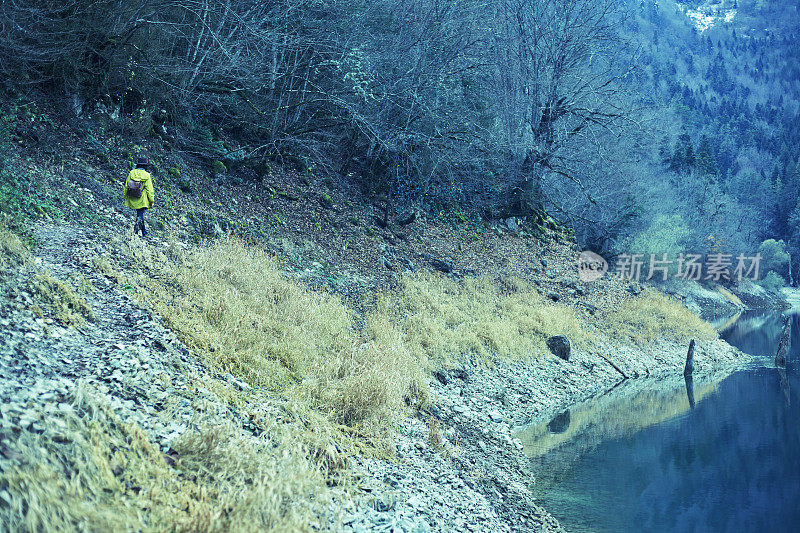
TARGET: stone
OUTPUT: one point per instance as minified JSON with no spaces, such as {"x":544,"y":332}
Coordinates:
{"x":495,"y":416}
{"x":442,"y":265}
{"x":441,"y":376}
{"x":461,"y":374}
{"x":385,"y":502}
{"x":408,"y":218}
{"x":553,"y":296}
{"x":407,"y":263}
{"x":560,"y":346}
{"x":239,"y":384}
{"x":512,"y":224}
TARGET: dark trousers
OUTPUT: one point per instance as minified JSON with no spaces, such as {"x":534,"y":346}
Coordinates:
{"x":140,"y":221}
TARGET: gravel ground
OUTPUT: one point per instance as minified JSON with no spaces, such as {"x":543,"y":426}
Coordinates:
{"x":478,"y":478}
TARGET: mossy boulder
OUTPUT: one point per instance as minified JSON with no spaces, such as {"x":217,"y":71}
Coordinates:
{"x":218,"y":167}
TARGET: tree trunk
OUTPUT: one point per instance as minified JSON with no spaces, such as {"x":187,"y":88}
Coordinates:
{"x":532,"y":191}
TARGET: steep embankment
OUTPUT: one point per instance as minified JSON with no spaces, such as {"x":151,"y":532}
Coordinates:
{"x":719,"y":304}
{"x":156,"y":435}
{"x":98,"y":398}
{"x":274,"y":357}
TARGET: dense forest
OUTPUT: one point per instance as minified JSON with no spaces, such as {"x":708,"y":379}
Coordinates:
{"x":725,"y":176}
{"x":644,"y":127}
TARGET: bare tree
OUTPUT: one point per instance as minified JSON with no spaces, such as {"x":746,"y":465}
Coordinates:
{"x":559,"y":68}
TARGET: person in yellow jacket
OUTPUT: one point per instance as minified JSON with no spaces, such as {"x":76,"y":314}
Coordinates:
{"x":140,"y":194}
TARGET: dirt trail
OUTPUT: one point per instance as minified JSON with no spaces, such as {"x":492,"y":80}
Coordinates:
{"x":125,"y":351}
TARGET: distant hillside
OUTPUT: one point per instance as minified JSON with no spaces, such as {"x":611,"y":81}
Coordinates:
{"x":727,"y":103}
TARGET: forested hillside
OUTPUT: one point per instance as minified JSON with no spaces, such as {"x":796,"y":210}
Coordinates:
{"x":359,"y":279}
{"x":726,"y":173}
{"x":621,"y":120}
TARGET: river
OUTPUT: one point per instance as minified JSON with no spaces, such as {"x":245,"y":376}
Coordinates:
{"x":707,"y":455}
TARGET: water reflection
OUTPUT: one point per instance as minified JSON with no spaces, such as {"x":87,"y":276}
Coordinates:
{"x":689,"y":380}
{"x":758,"y":333}
{"x":560,"y":423}
{"x":731,"y":464}
{"x":634,"y":405}
{"x":784,"y":379}
{"x":683,"y":454}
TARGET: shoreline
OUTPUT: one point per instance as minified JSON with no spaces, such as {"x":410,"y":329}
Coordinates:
{"x":479,"y":478}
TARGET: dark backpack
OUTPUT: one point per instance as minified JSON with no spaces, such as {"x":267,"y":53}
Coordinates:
{"x":134,"y":189}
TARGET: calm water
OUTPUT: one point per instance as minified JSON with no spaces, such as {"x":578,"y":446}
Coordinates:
{"x":643,"y":459}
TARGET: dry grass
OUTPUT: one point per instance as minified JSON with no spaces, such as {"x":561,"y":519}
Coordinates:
{"x":232,"y":303}
{"x":59,"y":300}
{"x":321,"y":390}
{"x":730,"y":296}
{"x":51,"y":296}
{"x":89,"y":471}
{"x":339,"y":392}
{"x":12,"y":251}
{"x":653,"y":315}
{"x":435,"y":433}
{"x":104,"y":266}
{"x":480,"y":318}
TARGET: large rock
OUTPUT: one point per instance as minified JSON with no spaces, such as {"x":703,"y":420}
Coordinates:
{"x":560,"y":423}
{"x":442,"y":265}
{"x":407,"y":218}
{"x":559,"y":345}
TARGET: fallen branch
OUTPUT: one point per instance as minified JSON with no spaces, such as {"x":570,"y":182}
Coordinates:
{"x":615,"y":367}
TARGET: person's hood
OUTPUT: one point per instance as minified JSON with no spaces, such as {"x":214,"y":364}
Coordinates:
{"x":139,"y":174}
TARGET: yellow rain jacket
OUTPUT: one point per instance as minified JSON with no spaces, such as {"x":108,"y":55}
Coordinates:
{"x":148,"y":193}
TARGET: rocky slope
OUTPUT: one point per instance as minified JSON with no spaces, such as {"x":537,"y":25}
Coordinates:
{"x":458,"y":463}
{"x":478,"y":478}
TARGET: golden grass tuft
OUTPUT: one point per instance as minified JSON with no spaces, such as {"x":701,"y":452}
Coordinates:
{"x":233,"y":303}
{"x":652,"y":316}
{"x":103,"y":265}
{"x":439,"y":318}
{"x":60,"y":300}
{"x":89,"y":471}
{"x":730,"y":296}
{"x":248,"y":484}
{"x":12,"y":250}
{"x":435,"y":433}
